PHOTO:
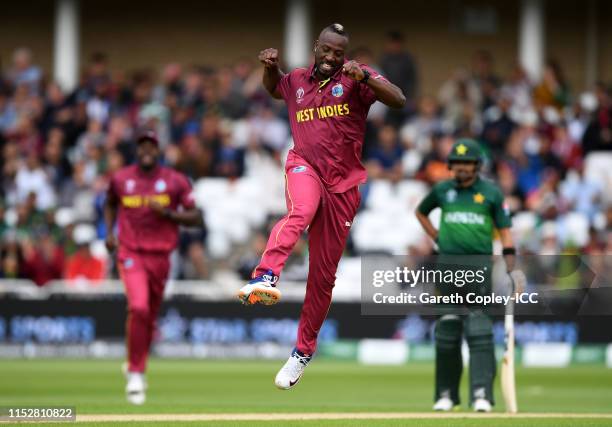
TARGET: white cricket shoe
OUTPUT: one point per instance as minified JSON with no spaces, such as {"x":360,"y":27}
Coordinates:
{"x":292,"y":370}
{"x":444,"y":404}
{"x":482,"y":405}
{"x":136,"y":388}
{"x":260,"y":290}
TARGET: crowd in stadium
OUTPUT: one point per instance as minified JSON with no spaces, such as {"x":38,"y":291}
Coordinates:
{"x":58,"y":149}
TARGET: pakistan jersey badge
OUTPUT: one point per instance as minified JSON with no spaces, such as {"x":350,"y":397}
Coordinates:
{"x":337,"y":90}
{"x":451,"y":195}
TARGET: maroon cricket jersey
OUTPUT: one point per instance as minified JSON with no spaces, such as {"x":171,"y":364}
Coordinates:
{"x":141,"y":229}
{"x":328,"y":120}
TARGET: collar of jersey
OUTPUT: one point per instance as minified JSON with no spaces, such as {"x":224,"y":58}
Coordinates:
{"x":152,"y":174}
{"x":456,"y":185}
{"x":335,"y":77}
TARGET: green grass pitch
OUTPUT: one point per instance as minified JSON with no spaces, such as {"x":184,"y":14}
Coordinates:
{"x":194,"y":387}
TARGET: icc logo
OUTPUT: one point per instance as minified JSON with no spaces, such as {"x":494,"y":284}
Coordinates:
{"x":337,"y":90}
{"x":299,"y":95}
{"x":129,"y":185}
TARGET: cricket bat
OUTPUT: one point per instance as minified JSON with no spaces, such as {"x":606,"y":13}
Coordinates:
{"x":507,"y":370}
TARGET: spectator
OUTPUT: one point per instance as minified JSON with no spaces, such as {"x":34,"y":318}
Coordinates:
{"x":417,"y":131}
{"x":170,"y":85}
{"x":399,"y":67}
{"x":384,"y":160}
{"x":43,"y":261}
{"x":460,"y":105}
{"x":56,"y":164}
{"x":483,"y":81}
{"x":32,"y":179}
{"x":434,"y":167}
{"x":498,"y":125}
{"x":24,"y":73}
{"x":552,"y":90}
{"x":193,"y":258}
{"x":265,"y":129}
{"x":598,"y":134}
{"x":82,"y":265}
{"x":247,"y":262}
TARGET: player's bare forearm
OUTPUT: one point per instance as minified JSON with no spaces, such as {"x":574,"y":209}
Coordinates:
{"x":271,"y":77}
{"x":387,"y":93}
{"x":189,"y":218}
{"x":272,"y":74}
{"x":427,"y":225}
{"x":110,"y":214}
{"x":507,"y":242}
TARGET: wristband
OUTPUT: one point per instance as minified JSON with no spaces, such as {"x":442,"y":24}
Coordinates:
{"x":509,"y":251}
{"x":366,"y":76}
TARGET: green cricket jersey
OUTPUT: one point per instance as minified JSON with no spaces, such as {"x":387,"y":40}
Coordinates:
{"x":469,"y":215}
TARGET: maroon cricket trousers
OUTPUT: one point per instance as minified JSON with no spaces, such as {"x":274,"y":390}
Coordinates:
{"x":328,"y":217}
{"x":144,"y":275}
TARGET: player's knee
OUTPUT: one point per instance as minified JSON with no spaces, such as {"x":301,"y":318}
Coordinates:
{"x":322,"y":279}
{"x":479,"y":332}
{"x":448,"y":332}
{"x":480,"y":342}
{"x":301,"y":214}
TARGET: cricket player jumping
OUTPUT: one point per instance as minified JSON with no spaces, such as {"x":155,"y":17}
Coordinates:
{"x":145,"y":198}
{"x":328,"y":103}
{"x":471,"y":208}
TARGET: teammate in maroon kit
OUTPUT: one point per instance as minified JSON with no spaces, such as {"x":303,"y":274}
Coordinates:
{"x":328,"y":103}
{"x":145,"y":197}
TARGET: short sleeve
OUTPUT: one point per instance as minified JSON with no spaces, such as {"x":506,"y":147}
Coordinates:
{"x":185,"y":194}
{"x":366,"y":94}
{"x":501,"y":212}
{"x":284,"y":85}
{"x":429,"y":203}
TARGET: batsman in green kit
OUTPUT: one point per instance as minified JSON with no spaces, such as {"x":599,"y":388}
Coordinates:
{"x":472,"y":208}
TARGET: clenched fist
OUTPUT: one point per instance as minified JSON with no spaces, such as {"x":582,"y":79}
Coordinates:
{"x":269,"y":57}
{"x":353,"y":70}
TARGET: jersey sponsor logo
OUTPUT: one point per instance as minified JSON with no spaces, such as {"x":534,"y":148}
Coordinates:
{"x":160,"y":185}
{"x":464,"y":218}
{"x":348,"y":223}
{"x":299,"y":95}
{"x":138,"y":201}
{"x":451,"y":195}
{"x":130,"y":184}
{"x":298,"y":169}
{"x":323,"y":112}
{"x":337,"y":90}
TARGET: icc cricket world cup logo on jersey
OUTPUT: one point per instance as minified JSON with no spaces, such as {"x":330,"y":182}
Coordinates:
{"x":299,"y":95}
